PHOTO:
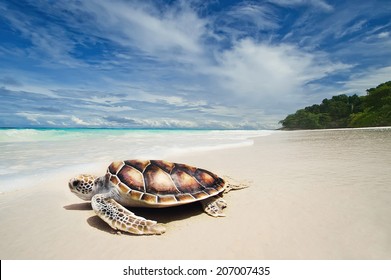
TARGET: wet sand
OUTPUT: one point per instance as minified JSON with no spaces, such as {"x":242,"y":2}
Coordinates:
{"x":313,"y":195}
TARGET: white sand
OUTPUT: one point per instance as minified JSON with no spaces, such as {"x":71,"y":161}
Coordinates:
{"x":310,"y":198}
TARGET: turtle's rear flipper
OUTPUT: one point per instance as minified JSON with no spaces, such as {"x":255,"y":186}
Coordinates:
{"x":120,"y":218}
{"x":232,"y":184}
{"x":214,"y":206}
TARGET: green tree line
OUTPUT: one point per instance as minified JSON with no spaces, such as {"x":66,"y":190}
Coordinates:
{"x":341,"y":111}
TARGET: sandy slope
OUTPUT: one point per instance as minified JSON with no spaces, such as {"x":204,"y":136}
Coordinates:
{"x":307,"y":200}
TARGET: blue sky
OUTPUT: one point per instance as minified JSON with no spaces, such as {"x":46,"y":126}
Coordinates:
{"x":185,"y":64}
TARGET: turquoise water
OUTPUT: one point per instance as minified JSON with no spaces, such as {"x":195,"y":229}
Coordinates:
{"x":30,"y":153}
{"x":58,"y":134}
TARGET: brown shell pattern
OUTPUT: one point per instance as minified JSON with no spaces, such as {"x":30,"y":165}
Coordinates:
{"x":162,"y":182}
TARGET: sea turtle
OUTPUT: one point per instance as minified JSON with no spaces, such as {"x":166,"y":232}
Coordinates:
{"x":149,"y":183}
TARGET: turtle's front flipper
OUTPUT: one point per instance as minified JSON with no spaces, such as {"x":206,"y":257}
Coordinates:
{"x":120,"y":218}
{"x":214,"y":206}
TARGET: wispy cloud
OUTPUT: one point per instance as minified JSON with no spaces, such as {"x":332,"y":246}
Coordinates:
{"x":319,"y":4}
{"x":246,"y":19}
{"x":42,"y":40}
{"x":359,"y":83}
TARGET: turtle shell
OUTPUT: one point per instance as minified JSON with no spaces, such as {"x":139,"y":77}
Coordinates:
{"x":159,"y":183}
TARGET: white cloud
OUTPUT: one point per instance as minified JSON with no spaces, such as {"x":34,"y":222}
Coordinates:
{"x":268,"y":73}
{"x":383,"y":35}
{"x":78,"y":121}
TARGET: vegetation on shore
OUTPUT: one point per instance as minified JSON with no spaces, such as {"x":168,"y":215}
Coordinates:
{"x":342,"y":111}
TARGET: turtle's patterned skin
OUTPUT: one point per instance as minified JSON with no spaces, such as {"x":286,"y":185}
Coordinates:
{"x":149,"y":183}
{"x":158,"y":183}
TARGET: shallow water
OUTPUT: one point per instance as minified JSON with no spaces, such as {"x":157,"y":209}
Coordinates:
{"x":28,"y":154}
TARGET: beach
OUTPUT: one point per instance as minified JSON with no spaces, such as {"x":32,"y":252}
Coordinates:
{"x":313,"y":195}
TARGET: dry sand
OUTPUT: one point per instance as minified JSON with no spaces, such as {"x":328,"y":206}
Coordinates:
{"x":313,"y":195}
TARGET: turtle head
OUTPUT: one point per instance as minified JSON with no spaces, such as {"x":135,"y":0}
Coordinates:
{"x":84,"y":186}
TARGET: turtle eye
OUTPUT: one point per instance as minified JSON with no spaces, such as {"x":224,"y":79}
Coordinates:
{"x":75,"y":183}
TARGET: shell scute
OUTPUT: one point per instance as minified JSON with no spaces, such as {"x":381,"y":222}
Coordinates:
{"x":157,"y":181}
{"x":200,"y":195}
{"x":211,"y":191}
{"x":140,"y":165}
{"x":131,"y":177}
{"x":136,"y":195}
{"x":186,"y":168}
{"x":166,"y":166}
{"x":167,"y":199}
{"x":185,"y":182}
{"x":149,"y":198}
{"x":206,"y":178}
{"x":115,"y":167}
{"x":114,"y":180}
{"x":123,"y":188}
{"x":185,"y":197}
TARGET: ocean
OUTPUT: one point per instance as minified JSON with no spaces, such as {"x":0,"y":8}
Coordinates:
{"x":28,"y":155}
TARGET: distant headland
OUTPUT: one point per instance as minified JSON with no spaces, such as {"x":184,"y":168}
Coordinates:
{"x":342,"y":111}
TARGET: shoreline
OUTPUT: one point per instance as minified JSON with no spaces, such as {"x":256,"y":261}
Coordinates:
{"x":306,"y":201}
{"x":29,"y":155}
{"x":340,"y":128}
